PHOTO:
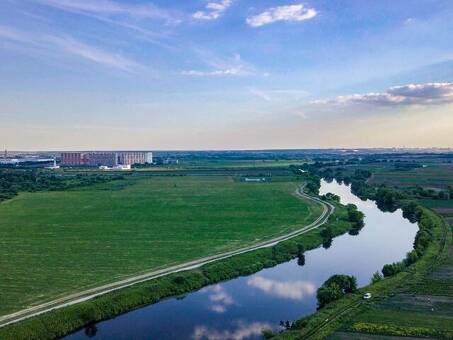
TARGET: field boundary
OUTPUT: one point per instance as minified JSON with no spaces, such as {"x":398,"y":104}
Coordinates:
{"x":89,"y":294}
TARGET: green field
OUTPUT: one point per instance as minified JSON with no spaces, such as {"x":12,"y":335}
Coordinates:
{"x":54,"y":243}
{"x":432,"y":176}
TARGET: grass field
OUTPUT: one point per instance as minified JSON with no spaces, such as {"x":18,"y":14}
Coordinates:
{"x":53,"y":243}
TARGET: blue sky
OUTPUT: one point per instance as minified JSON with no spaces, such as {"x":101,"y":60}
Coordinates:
{"x":220,"y":74}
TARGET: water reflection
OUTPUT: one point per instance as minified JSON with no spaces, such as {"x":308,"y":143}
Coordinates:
{"x":220,"y":297}
{"x":241,"y":308}
{"x":294,"y":290}
{"x":242,"y":331}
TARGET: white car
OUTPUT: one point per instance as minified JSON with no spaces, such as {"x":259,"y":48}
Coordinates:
{"x":367,"y":296}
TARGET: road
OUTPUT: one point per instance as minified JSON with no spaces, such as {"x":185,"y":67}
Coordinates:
{"x":72,"y":299}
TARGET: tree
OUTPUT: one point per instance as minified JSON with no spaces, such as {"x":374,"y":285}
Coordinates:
{"x":301,"y":260}
{"x":327,"y":294}
{"x":376,"y":277}
{"x":411,"y":211}
{"x":267,"y":333}
{"x":334,"y":288}
{"x":346,"y":282}
{"x":327,"y":233}
{"x":392,"y":269}
{"x":91,"y":330}
{"x":411,"y":257}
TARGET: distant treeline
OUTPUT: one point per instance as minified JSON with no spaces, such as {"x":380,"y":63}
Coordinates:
{"x":13,"y":181}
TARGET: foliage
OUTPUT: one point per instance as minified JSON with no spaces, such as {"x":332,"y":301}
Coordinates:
{"x":376,"y":277}
{"x":392,"y":268}
{"x":13,"y":181}
{"x":363,"y":327}
{"x":334,"y":288}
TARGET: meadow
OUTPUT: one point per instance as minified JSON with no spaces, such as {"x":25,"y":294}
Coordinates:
{"x":58,"y":242}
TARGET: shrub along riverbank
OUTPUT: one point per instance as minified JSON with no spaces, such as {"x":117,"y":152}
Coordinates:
{"x":63,"y":321}
{"x":431,"y":248}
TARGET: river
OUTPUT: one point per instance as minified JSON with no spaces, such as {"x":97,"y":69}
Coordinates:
{"x":240,"y":308}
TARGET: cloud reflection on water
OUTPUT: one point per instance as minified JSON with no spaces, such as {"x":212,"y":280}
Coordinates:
{"x":220,"y":298}
{"x":242,"y":331}
{"x":294,"y":290}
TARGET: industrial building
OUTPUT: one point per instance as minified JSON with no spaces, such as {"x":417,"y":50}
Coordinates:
{"x":72,"y":158}
{"x":102,"y":158}
{"x":106,"y":158}
{"x":134,"y":157}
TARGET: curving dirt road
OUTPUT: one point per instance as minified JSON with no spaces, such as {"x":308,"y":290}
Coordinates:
{"x":72,"y":299}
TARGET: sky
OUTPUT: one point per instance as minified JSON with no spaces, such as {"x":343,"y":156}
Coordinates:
{"x":225,"y":74}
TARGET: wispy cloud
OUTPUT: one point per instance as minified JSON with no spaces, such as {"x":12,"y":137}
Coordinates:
{"x":294,"y":13}
{"x":69,"y":45}
{"x":94,"y":54}
{"x":411,"y":94}
{"x":259,"y":94}
{"x":242,"y":331}
{"x":217,"y":73}
{"x":111,"y":8}
{"x":213,"y":10}
{"x":294,"y":290}
{"x":273,"y":94}
{"x":221,"y":67}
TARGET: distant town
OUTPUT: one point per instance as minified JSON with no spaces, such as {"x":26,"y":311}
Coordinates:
{"x":121,"y":160}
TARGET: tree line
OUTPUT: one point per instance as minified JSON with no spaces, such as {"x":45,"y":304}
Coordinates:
{"x":13,"y":181}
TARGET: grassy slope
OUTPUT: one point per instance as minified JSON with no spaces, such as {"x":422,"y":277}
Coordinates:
{"x":47,"y":240}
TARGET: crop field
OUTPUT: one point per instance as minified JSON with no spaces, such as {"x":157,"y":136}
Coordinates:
{"x":54,"y":243}
{"x":433,"y":176}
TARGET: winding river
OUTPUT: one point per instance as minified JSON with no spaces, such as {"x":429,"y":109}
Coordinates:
{"x":242,"y":307}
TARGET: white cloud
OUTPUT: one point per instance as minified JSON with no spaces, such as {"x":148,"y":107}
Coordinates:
{"x":411,"y":94}
{"x":213,"y":10}
{"x":51,"y":43}
{"x":294,"y":290}
{"x":293,"y":13}
{"x":242,"y":331}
